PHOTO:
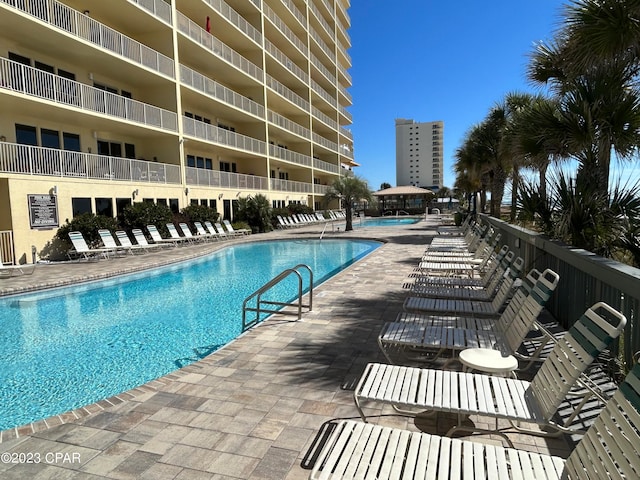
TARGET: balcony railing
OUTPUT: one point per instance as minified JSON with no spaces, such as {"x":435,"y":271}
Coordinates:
{"x":34,"y":82}
{"x":346,"y":113}
{"x":326,"y":166}
{"x":289,"y":155}
{"x":287,"y":93}
{"x":295,"y":11}
{"x":323,"y":117}
{"x":84,"y":27}
{"x":213,"y":89}
{"x":347,"y":133}
{"x":315,"y":86}
{"x":323,"y":22}
{"x":320,"y":189}
{"x":290,"y":186}
{"x":286,"y":124}
{"x":221,"y":136}
{"x":158,"y":8}
{"x":215,"y":178}
{"x":285,"y":61}
{"x":285,"y":30}
{"x":221,"y":50}
{"x":322,"y":44}
{"x":319,"y":139}
{"x":30,"y":160}
{"x":236,"y":19}
{"x":324,"y":70}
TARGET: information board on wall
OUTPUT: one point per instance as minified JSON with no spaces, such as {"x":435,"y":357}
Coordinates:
{"x":43,"y":211}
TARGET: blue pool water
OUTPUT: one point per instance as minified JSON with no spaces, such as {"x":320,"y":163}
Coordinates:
{"x":65,"y":348}
{"x":385,"y":222}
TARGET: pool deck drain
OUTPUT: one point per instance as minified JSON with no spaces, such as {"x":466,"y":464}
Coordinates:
{"x":251,"y":410}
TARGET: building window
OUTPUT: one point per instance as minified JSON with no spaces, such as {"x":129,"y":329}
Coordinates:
{"x":104,"y":206}
{"x":129,"y":150}
{"x":228,"y":167}
{"x":50,"y":138}
{"x":161,"y":201}
{"x":26,"y":135}
{"x":213,"y":204}
{"x":71,"y":141}
{"x":80,"y":205}
{"x":174,"y":205}
{"x":194,"y":201}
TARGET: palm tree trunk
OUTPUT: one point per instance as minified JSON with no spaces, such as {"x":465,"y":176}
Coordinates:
{"x":515,"y":182}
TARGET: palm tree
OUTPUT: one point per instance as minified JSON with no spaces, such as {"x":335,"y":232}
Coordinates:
{"x":349,"y":190}
{"x":385,"y":185}
{"x":594,"y":78}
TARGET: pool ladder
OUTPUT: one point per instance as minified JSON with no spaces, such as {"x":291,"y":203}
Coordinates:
{"x":268,"y":306}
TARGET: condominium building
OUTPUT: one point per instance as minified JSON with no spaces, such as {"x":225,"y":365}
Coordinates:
{"x":178,"y":102}
{"x":419,"y":153}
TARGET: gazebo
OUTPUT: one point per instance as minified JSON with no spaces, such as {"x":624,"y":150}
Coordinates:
{"x":404,"y":197}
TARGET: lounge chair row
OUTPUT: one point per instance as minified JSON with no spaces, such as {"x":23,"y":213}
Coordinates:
{"x":303,"y":219}
{"x":609,"y":449}
{"x":122,"y":243}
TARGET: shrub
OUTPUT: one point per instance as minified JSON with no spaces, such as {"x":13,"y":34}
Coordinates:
{"x":256,"y":211}
{"x":88,"y":224}
{"x":141,"y":214}
{"x":199,"y":213}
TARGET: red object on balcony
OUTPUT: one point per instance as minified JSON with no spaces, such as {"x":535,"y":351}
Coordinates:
{"x":208,"y":25}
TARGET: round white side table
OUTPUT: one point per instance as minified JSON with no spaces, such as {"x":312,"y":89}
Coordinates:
{"x":488,"y":360}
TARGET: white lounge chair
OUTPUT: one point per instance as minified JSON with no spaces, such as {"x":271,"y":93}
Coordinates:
{"x":609,"y":449}
{"x":110,"y":242}
{"x":204,"y":234}
{"x":499,"y":397}
{"x":186,"y":231}
{"x":157,"y":238}
{"x":476,"y":307}
{"x":125,"y":241}
{"x":222,"y":232}
{"x":81,"y":249}
{"x":173,"y":232}
{"x":12,"y":270}
{"x":213,"y":231}
{"x":139,"y":236}
{"x":231,"y":230}
{"x":428,"y":337}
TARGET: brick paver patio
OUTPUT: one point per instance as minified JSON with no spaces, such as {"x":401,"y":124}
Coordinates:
{"x":253,"y":409}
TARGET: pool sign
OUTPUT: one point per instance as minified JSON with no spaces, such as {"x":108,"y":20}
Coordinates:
{"x":43,"y":211}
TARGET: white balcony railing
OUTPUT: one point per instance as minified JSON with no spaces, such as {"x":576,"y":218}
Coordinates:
{"x":236,"y":19}
{"x":289,"y":155}
{"x":34,"y":82}
{"x":287,"y":93}
{"x":315,"y":86}
{"x":323,"y":117}
{"x":290,"y":186}
{"x":295,"y":11}
{"x":324,"y":70}
{"x":285,"y":30}
{"x":30,"y":160}
{"x":346,"y":113}
{"x":221,"y":136}
{"x":323,"y":22}
{"x":322,"y":44}
{"x":319,"y":139}
{"x":215,"y":178}
{"x":286,"y":124}
{"x":347,"y":133}
{"x":213,"y":89}
{"x":158,"y":8}
{"x":320,"y":189}
{"x":82,"y":26}
{"x":326,"y":166}
{"x":285,"y":61}
{"x":221,"y":50}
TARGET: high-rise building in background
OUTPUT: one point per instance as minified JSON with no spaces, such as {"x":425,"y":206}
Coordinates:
{"x":181,"y":102}
{"x":419,"y":153}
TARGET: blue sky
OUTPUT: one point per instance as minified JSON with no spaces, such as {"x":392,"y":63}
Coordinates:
{"x":433,"y":60}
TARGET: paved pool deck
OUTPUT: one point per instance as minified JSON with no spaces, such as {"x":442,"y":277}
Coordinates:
{"x":253,"y":409}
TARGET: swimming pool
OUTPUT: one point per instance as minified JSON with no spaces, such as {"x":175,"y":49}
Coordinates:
{"x":385,"y":222}
{"x":65,"y":348}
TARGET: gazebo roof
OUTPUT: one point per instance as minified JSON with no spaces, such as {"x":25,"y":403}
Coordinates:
{"x":403,"y":190}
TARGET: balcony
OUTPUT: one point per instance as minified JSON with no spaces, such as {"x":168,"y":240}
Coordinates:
{"x":158,"y":8}
{"x":287,"y":93}
{"x":214,"y":178}
{"x":220,"y":136}
{"x":217,"y":91}
{"x":30,"y":160}
{"x":326,"y":166}
{"x":286,"y":61}
{"x":43,"y":85}
{"x":79,"y":25}
{"x":236,"y":19}
{"x":289,"y":155}
{"x":286,"y":124}
{"x":203,"y":38}
{"x":285,"y":30}
{"x":290,"y":186}
{"x":324,"y":118}
{"x":320,"y":140}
